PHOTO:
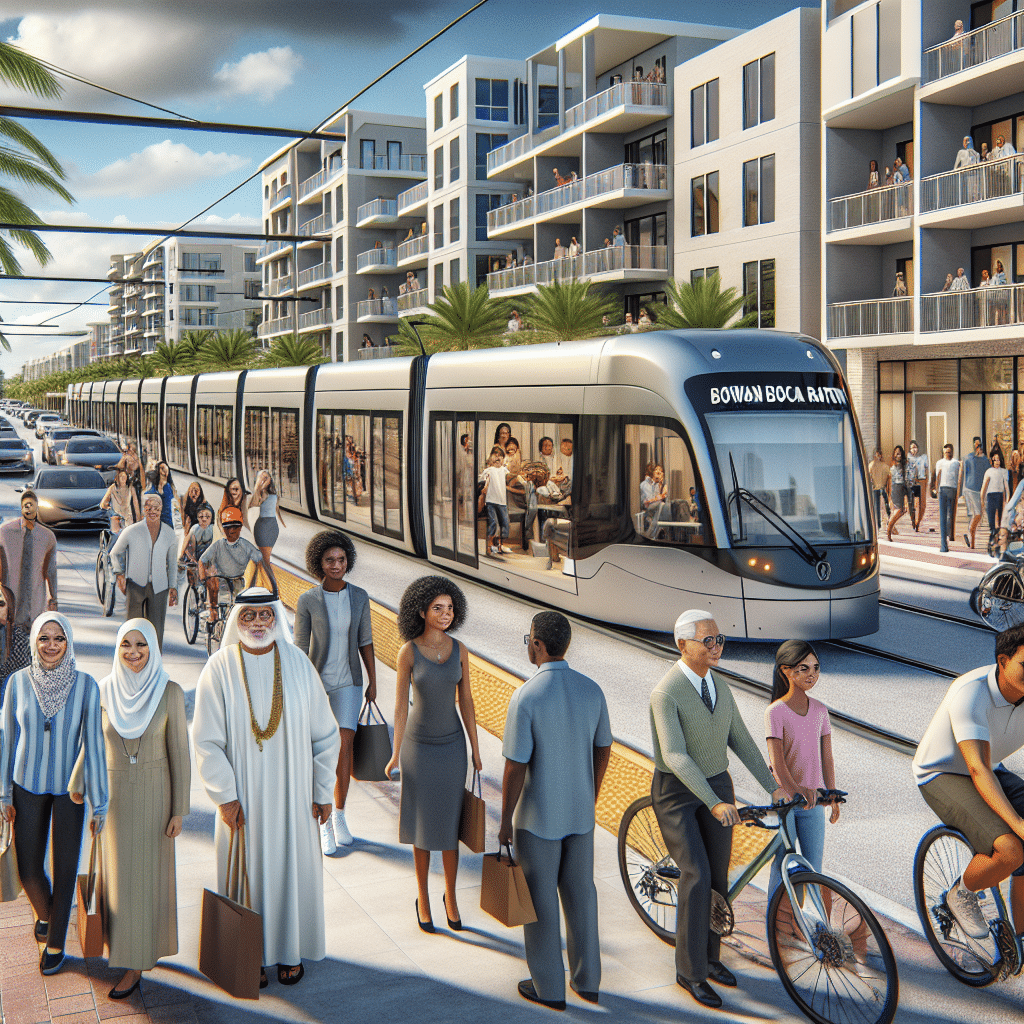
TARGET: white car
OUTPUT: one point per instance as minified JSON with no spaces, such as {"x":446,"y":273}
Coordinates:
{"x":47,"y":419}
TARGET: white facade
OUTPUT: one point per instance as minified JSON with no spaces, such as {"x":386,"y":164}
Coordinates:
{"x":70,"y":357}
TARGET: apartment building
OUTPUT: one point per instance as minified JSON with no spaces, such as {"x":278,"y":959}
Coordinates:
{"x":747,"y":170}
{"x":99,"y":340}
{"x":70,"y":357}
{"x":941,"y":362}
{"x":343,"y":282}
{"x":177,"y":286}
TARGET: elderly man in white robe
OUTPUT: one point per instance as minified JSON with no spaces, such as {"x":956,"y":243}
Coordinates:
{"x":267,"y":747}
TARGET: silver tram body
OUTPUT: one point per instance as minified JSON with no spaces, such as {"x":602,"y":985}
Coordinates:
{"x":776,"y":539}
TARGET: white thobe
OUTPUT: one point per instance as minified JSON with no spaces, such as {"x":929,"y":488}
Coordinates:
{"x":276,"y":788}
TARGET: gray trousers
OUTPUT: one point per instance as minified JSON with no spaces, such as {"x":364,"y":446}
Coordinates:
{"x":701,"y":848}
{"x":561,"y":868}
{"x":144,"y":603}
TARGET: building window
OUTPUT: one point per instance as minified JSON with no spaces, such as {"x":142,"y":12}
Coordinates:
{"x":704,"y":113}
{"x":652,"y":149}
{"x":453,"y":273}
{"x":394,"y":156}
{"x":492,"y":99}
{"x":367,"y":151}
{"x":759,"y":91}
{"x":759,"y":291}
{"x":453,"y":106}
{"x":438,"y":281}
{"x":704,"y":204}
{"x":759,"y":191}
{"x":250,"y":263}
{"x":438,"y":227}
{"x":702,"y":272}
{"x":484,"y":204}
{"x":438,"y":111}
{"x":439,"y":167}
{"x":547,"y":106}
{"x":453,"y":220}
{"x":454,"y":160}
{"x":484,"y":144}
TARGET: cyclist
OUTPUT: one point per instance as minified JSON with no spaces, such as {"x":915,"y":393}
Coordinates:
{"x":227,"y":557}
{"x":958,"y":768}
{"x":122,"y":501}
{"x":199,"y":538}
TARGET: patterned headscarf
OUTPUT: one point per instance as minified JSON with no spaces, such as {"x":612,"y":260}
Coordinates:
{"x":52,"y":686}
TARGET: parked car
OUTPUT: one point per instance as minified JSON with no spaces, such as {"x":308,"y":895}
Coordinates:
{"x":97,"y":452}
{"x":55,"y":441}
{"x":30,"y":417}
{"x":16,"y":455}
{"x":47,"y":419}
{"x":69,"y":498}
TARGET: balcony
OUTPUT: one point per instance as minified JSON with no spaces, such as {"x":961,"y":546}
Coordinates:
{"x":871,"y":317}
{"x":622,"y":185}
{"x":511,"y":153}
{"x":281,"y":195}
{"x":974,"y":309}
{"x":377,"y":213}
{"x":272,"y":250}
{"x":416,"y":301}
{"x":315,"y":318}
{"x":414,"y":252}
{"x":989,"y":50}
{"x":377,"y":352}
{"x":410,"y":165}
{"x":876,"y":217}
{"x":280,"y":285}
{"x":154,"y":256}
{"x":413,"y":198}
{"x":376,"y":261}
{"x":283,"y":325}
{"x":314,"y":275}
{"x":613,"y":263}
{"x":982,"y":194}
{"x":377,"y":311}
{"x":316,"y":226}
{"x":316,"y":182}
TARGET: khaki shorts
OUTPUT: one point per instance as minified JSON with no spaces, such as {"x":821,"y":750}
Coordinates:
{"x":957,"y":802}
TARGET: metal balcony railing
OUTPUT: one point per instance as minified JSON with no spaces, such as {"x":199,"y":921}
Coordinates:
{"x":318,"y":273}
{"x":972,"y":49}
{"x":414,"y":300}
{"x":414,"y":247}
{"x":280,"y":285}
{"x":377,"y":208}
{"x":376,"y":258}
{"x":316,"y":226}
{"x":992,"y":179}
{"x":269,"y":248}
{"x":377,"y":352}
{"x":413,"y":162}
{"x":873,"y":316}
{"x":625,"y":257}
{"x":278,"y":326}
{"x":510,"y":151}
{"x":875,"y":206}
{"x":314,"y":318}
{"x":994,"y":306}
{"x":413,"y":197}
{"x":376,"y":307}
{"x":280,"y":195}
{"x":625,"y":94}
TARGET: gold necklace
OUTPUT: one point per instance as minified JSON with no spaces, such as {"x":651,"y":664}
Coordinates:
{"x":276,"y":703}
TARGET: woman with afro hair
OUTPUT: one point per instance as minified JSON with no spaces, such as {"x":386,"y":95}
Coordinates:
{"x":430,"y":745}
{"x":332,"y":628}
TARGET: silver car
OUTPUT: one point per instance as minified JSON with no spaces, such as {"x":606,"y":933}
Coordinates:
{"x":69,"y":498}
{"x":16,"y":455}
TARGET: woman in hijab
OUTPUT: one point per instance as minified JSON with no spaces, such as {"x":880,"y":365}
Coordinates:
{"x":148,"y":764}
{"x":14,"y":648}
{"x":51,"y":706}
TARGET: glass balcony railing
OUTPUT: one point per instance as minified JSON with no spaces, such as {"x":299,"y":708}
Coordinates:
{"x":269,"y":248}
{"x":377,"y":208}
{"x":415,"y":163}
{"x":873,"y":316}
{"x":280,"y":195}
{"x":418,"y":299}
{"x":973,"y":49}
{"x":510,"y":151}
{"x":417,"y":246}
{"x":413,"y":197}
{"x":599,"y":261}
{"x":625,"y":94}
{"x":376,"y":307}
{"x":314,"y":318}
{"x":324,"y":175}
{"x":993,"y":179}
{"x":280,"y":285}
{"x":876,"y":206}
{"x":593,"y":186}
{"x":377,"y":352}
{"x":320,"y":272}
{"x":316,"y":226}
{"x":995,"y":306}
{"x":278,"y":326}
{"x":625,"y":257}
{"x":376,"y":258}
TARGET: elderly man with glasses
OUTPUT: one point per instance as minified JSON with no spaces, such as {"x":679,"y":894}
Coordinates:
{"x":694,"y":719}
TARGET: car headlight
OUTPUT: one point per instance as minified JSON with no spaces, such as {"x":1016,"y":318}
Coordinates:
{"x":46,"y":503}
{"x":27,"y":457}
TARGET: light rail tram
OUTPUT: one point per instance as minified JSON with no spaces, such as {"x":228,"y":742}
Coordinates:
{"x":654,"y":472}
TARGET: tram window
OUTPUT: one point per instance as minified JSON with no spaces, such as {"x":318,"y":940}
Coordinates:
{"x":284,"y":453}
{"x":150,"y":431}
{"x":177,"y":436}
{"x":214,"y":442}
{"x":356,"y":487}
{"x":325,"y":465}
{"x":441,"y":504}
{"x":128,"y":425}
{"x":665,"y":499}
{"x":255,"y":440}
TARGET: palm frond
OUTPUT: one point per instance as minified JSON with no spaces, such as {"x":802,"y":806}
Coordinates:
{"x":23,"y":71}
{"x":570,"y":310}
{"x":293,"y":350}
{"x":700,"y":304}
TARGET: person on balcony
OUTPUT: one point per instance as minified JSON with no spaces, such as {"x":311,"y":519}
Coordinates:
{"x":900,"y":172}
{"x":409,"y":237}
{"x":1003,"y":149}
{"x":874,"y":179}
{"x":968,"y":155}
{"x":961,"y":283}
{"x":966,"y":158}
{"x":985,"y":154}
{"x":901,"y":286}
{"x":560,"y":250}
{"x":1001,"y":303}
{"x":574,"y":247}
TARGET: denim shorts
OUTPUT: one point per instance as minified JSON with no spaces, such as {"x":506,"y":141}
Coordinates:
{"x":973,"y":499}
{"x":497,"y":520}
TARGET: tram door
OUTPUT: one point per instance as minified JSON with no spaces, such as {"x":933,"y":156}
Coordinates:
{"x":453,"y":487}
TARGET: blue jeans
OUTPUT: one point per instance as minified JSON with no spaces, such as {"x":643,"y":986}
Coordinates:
{"x":497,"y":520}
{"x":880,"y":494}
{"x":947,"y":506}
{"x":531,"y":514}
{"x":809,"y":825}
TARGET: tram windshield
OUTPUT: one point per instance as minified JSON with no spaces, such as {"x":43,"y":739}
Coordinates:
{"x":790,"y":477}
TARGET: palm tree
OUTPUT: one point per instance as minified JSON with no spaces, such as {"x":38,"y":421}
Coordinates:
{"x":227,"y":350}
{"x":173,"y":357}
{"x":702,"y":304}
{"x":292,"y":350}
{"x":25,"y":159}
{"x":569,"y":310}
{"x":193,"y":341}
{"x":461,"y":319}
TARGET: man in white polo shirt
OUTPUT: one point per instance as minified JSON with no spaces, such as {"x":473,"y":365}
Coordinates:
{"x":949,"y":482}
{"x":958,"y":767}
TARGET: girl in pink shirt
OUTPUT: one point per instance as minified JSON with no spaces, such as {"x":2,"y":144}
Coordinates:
{"x":800,"y":748}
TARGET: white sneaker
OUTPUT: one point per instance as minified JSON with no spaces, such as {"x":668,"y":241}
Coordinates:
{"x":341,"y":833}
{"x":963,"y":905}
{"x":327,"y":843}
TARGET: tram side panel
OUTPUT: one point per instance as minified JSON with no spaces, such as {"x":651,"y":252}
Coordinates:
{"x":177,"y":415}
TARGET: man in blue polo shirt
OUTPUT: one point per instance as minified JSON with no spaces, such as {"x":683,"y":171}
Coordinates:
{"x":975,"y":466}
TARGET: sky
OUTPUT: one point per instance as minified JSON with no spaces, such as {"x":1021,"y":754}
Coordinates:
{"x":288,"y":64}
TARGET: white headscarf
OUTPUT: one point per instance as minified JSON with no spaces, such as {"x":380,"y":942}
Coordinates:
{"x":52,"y":686}
{"x":131,"y":698}
{"x":281,"y":634}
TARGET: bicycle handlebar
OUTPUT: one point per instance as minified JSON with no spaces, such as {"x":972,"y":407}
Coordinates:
{"x":752,"y":814}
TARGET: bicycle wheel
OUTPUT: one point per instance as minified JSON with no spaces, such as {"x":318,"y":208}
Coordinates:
{"x":847,"y":971}
{"x":941,"y":857}
{"x":110,"y":587}
{"x":214,"y":634}
{"x":101,"y":575}
{"x":648,"y":872}
{"x":1000,"y":600}
{"x":190,"y":614}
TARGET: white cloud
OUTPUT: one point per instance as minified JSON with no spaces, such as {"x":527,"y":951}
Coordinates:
{"x":262,"y":75}
{"x":159,"y":168}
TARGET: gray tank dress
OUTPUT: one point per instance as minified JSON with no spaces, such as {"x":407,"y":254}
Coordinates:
{"x":433,"y":757}
{"x":265,"y":530}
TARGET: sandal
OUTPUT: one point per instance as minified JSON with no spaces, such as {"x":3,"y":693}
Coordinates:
{"x":264,"y":980}
{"x":285,"y":978}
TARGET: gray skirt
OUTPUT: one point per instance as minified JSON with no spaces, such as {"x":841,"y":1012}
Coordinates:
{"x":265,"y":531}
{"x":433,"y":782}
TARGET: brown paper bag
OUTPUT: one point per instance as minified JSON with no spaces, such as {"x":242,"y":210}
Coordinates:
{"x":504,"y":893}
{"x":90,"y":922}
{"x":371,"y":745}
{"x":473,"y":824}
{"x":10,"y":881}
{"x":231,"y":933}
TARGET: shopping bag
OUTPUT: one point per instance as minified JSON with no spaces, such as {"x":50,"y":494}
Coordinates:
{"x":10,"y":882}
{"x":231,"y":933}
{"x":371,"y":746}
{"x":473,"y":824}
{"x":90,"y":921}
{"x":504,"y":893}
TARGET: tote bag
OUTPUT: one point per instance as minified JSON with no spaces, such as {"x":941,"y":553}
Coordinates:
{"x":371,"y":746}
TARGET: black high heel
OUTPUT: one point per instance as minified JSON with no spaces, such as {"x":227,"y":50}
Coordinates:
{"x":456,"y":925}
{"x":427,"y":926}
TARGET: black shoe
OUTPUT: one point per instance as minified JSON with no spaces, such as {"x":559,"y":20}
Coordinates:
{"x":967,"y":541}
{"x":527,"y":991}
{"x":114,"y":993}
{"x":720,"y":974}
{"x":427,"y":926}
{"x":264,"y":980}
{"x":590,"y":997}
{"x":41,"y":930}
{"x":284,"y":979}
{"x":51,"y":963}
{"x":456,"y":925}
{"x":701,"y":991}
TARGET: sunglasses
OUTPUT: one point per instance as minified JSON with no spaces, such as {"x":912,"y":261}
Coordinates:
{"x":711,"y":642}
{"x":263,"y":616}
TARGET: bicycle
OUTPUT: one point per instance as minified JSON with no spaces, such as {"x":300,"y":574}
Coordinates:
{"x":193,"y":606}
{"x":942,"y":854}
{"x":214,"y":629}
{"x":999,"y":597}
{"x":826,"y":945}
{"x":106,"y":584}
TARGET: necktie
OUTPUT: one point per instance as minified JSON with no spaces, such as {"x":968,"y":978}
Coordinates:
{"x":705,"y":695}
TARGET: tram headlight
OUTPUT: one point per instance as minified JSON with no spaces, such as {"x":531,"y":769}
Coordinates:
{"x":864,"y":557}
{"x":759,"y":563}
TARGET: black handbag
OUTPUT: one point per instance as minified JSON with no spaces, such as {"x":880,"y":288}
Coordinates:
{"x":371,"y":747}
